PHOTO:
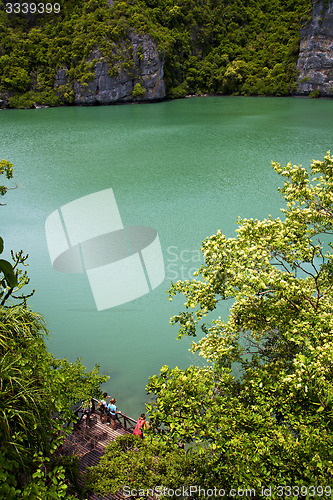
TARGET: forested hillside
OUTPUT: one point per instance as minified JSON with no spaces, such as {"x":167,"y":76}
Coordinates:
{"x":247,"y":47}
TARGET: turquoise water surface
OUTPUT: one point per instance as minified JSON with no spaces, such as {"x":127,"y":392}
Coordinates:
{"x":185,"y":167}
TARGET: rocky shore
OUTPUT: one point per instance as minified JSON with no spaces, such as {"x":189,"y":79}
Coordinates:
{"x":315,"y":61}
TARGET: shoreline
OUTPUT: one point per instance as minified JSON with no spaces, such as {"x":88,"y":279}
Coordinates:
{"x":167,"y":99}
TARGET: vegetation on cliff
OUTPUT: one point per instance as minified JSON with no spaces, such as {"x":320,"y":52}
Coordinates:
{"x":258,"y":412}
{"x":227,"y":47}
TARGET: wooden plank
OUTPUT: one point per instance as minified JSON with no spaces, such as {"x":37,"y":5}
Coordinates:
{"x":88,"y":442}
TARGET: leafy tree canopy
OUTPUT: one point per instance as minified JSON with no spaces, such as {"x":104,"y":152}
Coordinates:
{"x":269,"y":421}
{"x":258,"y":412}
{"x":134,"y":465}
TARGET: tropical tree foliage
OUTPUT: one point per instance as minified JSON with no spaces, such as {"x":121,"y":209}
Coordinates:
{"x":133,"y":466}
{"x":257,"y":413}
{"x":37,"y":393}
{"x":228,"y":47}
{"x":268,"y":421}
{"x":8,"y":280}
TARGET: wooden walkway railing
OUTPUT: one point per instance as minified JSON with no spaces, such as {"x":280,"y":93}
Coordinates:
{"x":91,"y":436}
{"x":126,"y":422}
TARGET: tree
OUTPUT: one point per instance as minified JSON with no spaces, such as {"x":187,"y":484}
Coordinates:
{"x":6,"y":168}
{"x":8,"y":280}
{"x":13,"y":278}
{"x":37,"y":392}
{"x":257,"y":416}
{"x":206,"y":47}
{"x":261,"y":408}
{"x":133,"y":466}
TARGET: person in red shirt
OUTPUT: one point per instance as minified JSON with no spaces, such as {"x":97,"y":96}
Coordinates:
{"x":140,"y":426}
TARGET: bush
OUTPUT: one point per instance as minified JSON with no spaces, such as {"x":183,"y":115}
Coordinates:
{"x":138,"y":91}
{"x":314,"y":94}
{"x":178,"y":92}
{"x":31,"y":99}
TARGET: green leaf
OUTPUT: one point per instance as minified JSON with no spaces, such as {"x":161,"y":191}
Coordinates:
{"x":7,"y":269}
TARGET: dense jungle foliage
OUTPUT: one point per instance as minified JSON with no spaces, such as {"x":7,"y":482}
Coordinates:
{"x":209,"y":46}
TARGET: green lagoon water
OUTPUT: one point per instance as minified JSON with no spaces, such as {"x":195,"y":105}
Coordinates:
{"x":185,"y":168}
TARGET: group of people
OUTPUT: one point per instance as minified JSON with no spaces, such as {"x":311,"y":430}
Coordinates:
{"x":108,"y":411}
{"x":109,"y":415}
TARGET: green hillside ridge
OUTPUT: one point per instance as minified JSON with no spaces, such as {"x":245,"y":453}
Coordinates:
{"x":208,"y":46}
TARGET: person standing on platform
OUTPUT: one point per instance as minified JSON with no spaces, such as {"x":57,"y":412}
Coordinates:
{"x":104,"y":407}
{"x":113,"y":411}
{"x":141,"y":425}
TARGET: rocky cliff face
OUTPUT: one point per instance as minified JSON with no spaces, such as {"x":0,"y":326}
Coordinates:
{"x":315,"y":62}
{"x":113,"y":84}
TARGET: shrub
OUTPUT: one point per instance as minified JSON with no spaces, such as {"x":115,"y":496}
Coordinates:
{"x":314,"y":94}
{"x":138,"y":91}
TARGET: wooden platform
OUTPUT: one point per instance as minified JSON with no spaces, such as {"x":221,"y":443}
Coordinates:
{"x":89,"y":439}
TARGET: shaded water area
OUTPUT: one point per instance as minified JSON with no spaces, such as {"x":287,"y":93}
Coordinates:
{"x":185,"y":168}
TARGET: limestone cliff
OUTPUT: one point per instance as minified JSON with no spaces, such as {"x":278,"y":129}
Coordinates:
{"x":315,"y":62}
{"x":114,"y":83}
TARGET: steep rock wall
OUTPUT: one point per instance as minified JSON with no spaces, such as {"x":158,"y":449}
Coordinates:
{"x":145,"y":67}
{"x":315,"y":62}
